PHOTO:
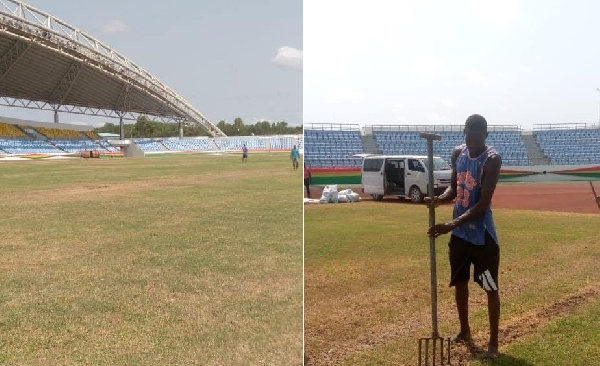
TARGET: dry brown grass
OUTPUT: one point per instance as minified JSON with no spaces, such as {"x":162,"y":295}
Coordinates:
{"x":161,"y":261}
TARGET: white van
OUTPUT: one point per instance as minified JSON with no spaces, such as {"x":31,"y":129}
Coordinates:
{"x":403,"y":176}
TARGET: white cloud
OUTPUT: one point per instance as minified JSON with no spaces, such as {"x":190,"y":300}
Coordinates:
{"x":447,"y":103}
{"x":288,"y":58}
{"x":345,"y":95}
{"x":114,"y":26}
{"x":477,"y":77}
{"x":425,"y":67}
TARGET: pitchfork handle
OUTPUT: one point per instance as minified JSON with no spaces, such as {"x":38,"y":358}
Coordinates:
{"x":432,"y":262}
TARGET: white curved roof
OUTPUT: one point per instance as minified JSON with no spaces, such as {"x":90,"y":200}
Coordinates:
{"x":47,"y":64}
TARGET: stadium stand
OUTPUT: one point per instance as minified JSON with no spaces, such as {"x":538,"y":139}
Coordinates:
{"x":325,"y":148}
{"x":20,"y":146}
{"x":236,"y":143}
{"x":508,"y":144}
{"x":19,"y":138}
{"x":335,"y":147}
{"x":106,"y":146}
{"x":92,"y":135}
{"x":577,"y":146}
{"x":10,"y":131}
{"x":58,"y":134}
{"x":282,"y":142}
{"x":76,"y":146}
{"x":149,"y":145}
{"x":188,"y":144}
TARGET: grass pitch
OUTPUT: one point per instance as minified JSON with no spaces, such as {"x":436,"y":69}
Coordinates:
{"x":367,"y":286}
{"x":176,"y":260}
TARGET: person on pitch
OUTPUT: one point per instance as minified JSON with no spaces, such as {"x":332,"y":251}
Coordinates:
{"x":307,"y":177}
{"x":244,"y":154}
{"x":294,"y":156}
{"x":475,"y":172}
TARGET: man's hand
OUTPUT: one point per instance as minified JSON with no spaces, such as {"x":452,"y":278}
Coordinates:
{"x":435,"y":201}
{"x":440,"y":229}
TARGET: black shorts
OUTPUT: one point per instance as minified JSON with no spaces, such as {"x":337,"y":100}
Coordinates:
{"x":485,"y":259}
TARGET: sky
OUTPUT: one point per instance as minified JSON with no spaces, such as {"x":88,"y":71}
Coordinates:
{"x":437,"y":62}
{"x":228,"y":58}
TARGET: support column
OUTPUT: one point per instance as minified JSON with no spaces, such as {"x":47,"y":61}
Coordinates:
{"x":56,"y":116}
{"x":121,"y":127}
{"x":180,"y":130}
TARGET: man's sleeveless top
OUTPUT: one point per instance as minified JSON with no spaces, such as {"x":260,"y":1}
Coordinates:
{"x":469,"y":172}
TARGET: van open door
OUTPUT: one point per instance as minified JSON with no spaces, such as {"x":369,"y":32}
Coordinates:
{"x":373,"y":177}
{"x":394,"y":176}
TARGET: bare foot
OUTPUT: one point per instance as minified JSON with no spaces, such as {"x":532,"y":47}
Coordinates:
{"x":492,"y":353}
{"x":462,"y":337}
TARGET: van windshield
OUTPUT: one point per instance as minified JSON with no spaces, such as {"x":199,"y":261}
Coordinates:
{"x":438,"y":164}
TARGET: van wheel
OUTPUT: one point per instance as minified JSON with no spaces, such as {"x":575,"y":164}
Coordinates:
{"x":377,"y":197}
{"x":415,"y":194}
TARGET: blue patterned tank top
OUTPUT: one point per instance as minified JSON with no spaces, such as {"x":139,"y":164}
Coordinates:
{"x":469,"y":172}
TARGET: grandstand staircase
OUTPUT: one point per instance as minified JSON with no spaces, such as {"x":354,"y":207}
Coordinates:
{"x":534,"y":151}
{"x":370,"y":146}
{"x":30,"y":132}
{"x":214,"y":145}
{"x":163,"y":146}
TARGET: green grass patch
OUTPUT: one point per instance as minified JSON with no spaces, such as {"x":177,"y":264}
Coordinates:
{"x":571,"y":340}
{"x":367,"y":279}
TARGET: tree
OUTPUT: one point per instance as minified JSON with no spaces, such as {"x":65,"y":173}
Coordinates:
{"x":144,"y":127}
{"x":108,"y":128}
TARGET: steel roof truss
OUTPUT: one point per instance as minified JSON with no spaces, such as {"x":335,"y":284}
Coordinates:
{"x":12,"y":56}
{"x":36,"y":104}
{"x":30,"y":24}
{"x":124,"y":102}
{"x":66,"y":83}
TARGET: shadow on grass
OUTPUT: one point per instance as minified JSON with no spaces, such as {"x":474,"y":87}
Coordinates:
{"x":475,"y":357}
{"x":508,"y":360}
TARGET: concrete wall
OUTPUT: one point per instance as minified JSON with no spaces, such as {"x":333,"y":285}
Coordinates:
{"x":129,"y":148}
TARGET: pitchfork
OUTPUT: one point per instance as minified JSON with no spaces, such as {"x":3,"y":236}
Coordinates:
{"x":595,"y":195}
{"x":435,"y":342}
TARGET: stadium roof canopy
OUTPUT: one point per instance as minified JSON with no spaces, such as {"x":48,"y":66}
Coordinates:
{"x":47,"y":64}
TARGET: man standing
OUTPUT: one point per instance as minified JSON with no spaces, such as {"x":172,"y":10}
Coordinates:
{"x":295,"y":155}
{"x":475,"y":172}
{"x":244,"y":153}
{"x":307,"y":177}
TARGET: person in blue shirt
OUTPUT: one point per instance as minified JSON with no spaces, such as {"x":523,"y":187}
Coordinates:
{"x":475,"y":172}
{"x":244,"y":154}
{"x":295,"y":156}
